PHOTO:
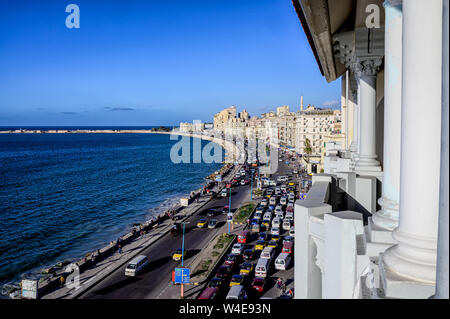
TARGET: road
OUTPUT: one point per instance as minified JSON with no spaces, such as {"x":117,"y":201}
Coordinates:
{"x":157,"y":276}
{"x":159,"y":272}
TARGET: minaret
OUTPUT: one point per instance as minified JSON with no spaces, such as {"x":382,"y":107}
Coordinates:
{"x":301,"y":103}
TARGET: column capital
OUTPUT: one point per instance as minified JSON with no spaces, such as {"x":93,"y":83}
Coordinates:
{"x":368,"y":66}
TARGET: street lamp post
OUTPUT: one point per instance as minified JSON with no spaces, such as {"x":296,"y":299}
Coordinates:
{"x":182,"y":259}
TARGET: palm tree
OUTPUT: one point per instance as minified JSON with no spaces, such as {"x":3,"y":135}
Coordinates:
{"x":308,"y":150}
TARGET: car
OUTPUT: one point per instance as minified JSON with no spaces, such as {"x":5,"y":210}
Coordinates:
{"x":202,"y":223}
{"x":288,"y":239}
{"x":264,"y":202}
{"x":295,"y":171}
{"x":212,"y":212}
{"x":262,"y":236}
{"x":292,"y":231}
{"x":179,"y":253}
{"x":176,"y":229}
{"x":258,"y":284}
{"x":216,"y":282}
{"x":265,"y":223}
{"x":224,"y":192}
{"x":246,"y":269}
{"x":282,"y":178}
{"x":272,"y":243}
{"x":237,"y":249}
{"x":275,"y":231}
{"x":237,"y":280}
{"x":287,"y":224}
{"x":230,"y":260}
{"x":257,"y":215}
{"x":212,"y":223}
{"x":223,"y":271}
{"x":260,"y":244}
{"x":243,"y":182}
{"x":275,"y":237}
{"x":248,"y":254}
{"x":209,"y":293}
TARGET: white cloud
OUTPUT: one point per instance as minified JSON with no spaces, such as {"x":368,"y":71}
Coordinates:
{"x":331,"y":103}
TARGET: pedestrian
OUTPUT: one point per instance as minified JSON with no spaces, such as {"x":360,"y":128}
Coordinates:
{"x":120,"y":249}
{"x":62,"y":280}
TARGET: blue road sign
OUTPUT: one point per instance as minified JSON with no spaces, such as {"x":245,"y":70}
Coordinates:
{"x":182,"y":275}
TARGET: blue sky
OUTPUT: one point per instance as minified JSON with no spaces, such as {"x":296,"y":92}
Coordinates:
{"x":152,"y":62}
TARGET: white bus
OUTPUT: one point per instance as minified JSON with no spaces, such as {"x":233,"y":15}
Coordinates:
{"x":136,"y":265}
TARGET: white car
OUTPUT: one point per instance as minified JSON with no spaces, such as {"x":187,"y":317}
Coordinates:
{"x":276,"y":223}
{"x":283,"y":200}
{"x":289,"y":216}
{"x":272,"y":183}
{"x":237,"y":249}
{"x":273,"y":200}
{"x":292,"y":232}
{"x":264,"y":202}
{"x":287,"y":224}
{"x":282,"y":179}
{"x":224,"y":193}
{"x":275,"y":231}
{"x":257,"y":215}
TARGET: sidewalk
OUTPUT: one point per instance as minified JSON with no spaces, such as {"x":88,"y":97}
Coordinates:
{"x":102,"y":269}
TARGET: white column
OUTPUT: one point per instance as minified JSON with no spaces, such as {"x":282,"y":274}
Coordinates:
{"x":442,"y":271}
{"x":367,"y":71}
{"x":414,"y":257}
{"x":387,"y":217}
{"x":354,"y":144}
{"x":344,"y":109}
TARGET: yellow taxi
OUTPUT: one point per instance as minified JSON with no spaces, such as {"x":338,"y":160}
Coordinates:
{"x":260,"y":244}
{"x":236,"y":280}
{"x":178,"y":254}
{"x":246,"y":269}
{"x":275,"y":238}
{"x":291,"y":184}
{"x":272,"y":243}
{"x":266,"y":223}
{"x":202,"y":223}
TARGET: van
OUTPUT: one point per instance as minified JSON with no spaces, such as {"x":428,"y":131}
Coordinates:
{"x":262,"y":268}
{"x":283,"y":261}
{"x":237,"y":292}
{"x":136,"y":265}
{"x":287,"y":247}
{"x":267,"y":253}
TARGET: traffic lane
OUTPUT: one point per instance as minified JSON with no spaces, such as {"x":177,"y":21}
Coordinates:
{"x":149,"y":283}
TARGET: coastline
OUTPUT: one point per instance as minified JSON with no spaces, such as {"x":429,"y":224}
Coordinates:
{"x":146,"y":225}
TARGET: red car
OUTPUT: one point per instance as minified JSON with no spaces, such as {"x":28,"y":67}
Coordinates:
{"x":258,"y":284}
{"x":231,"y":260}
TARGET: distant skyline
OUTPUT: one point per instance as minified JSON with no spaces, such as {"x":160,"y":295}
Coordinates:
{"x":153,"y":62}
